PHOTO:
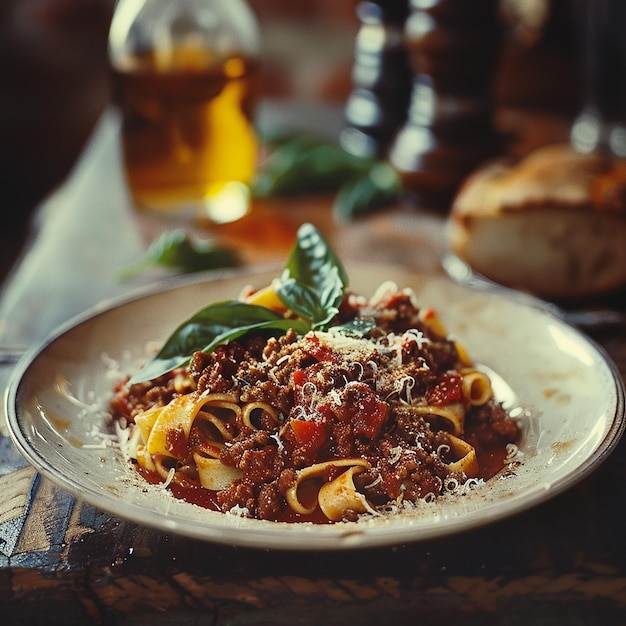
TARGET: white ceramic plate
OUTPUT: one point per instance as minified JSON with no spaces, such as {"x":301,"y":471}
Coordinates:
{"x":569,"y":397}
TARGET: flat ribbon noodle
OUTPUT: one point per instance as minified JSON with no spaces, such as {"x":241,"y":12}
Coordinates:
{"x":251,"y":407}
{"x":306,"y":475}
{"x":476,"y":387}
{"x":465,"y":453}
{"x":213,"y":474}
{"x":452,"y":413}
{"x":178,"y":414}
{"x":340,"y":494}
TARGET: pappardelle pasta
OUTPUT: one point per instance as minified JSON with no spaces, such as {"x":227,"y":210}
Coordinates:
{"x":323,"y":426}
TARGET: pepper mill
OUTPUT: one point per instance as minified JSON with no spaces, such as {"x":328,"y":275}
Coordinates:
{"x":452,"y":48}
{"x":381,"y":79}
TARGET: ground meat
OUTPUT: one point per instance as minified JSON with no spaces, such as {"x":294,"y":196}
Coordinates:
{"x":247,"y":440}
{"x":491,"y":426}
{"x":130,"y":400}
{"x":239,"y":494}
{"x":269,"y":502}
{"x":279,"y":396}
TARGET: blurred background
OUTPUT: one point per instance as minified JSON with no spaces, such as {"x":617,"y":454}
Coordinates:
{"x":55,"y":85}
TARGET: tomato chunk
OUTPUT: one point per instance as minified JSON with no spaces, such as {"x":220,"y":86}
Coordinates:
{"x":369,"y":416}
{"x":446,"y":390}
{"x":318,"y":350}
{"x":364,"y":410}
{"x":309,"y":434}
{"x":299,"y":377}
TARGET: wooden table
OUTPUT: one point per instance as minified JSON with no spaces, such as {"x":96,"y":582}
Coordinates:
{"x":66,"y":562}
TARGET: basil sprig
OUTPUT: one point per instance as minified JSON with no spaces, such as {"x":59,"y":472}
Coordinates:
{"x":303,"y":164}
{"x":311,"y":286}
{"x":313,"y":281}
{"x":175,"y":250}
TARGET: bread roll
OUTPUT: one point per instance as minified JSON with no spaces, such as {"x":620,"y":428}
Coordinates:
{"x":553,"y":224}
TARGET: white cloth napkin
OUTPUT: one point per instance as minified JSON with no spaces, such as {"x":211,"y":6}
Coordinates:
{"x":82,"y":235}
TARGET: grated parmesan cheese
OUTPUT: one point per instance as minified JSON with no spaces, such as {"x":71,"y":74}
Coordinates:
{"x":351,"y":348}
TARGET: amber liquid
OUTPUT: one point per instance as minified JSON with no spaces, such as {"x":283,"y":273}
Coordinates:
{"x":188,"y":137}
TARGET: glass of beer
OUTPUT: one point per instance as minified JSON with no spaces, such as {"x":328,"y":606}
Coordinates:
{"x":184,"y":78}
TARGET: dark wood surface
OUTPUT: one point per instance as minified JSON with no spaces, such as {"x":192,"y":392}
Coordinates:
{"x":66,"y":562}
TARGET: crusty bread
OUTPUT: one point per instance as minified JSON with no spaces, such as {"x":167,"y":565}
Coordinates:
{"x":553,"y":223}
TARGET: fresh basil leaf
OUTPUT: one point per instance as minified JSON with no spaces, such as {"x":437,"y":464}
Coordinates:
{"x":314,"y":279}
{"x":306,"y":164}
{"x":332,"y":289}
{"x":214,"y":320}
{"x":356,"y":328}
{"x":311,"y":258}
{"x":305,"y":302}
{"x":210,"y":327}
{"x":378,"y":188}
{"x":175,"y":250}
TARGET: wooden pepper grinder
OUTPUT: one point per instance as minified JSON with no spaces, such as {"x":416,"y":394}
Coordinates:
{"x":381,"y":79}
{"x":452,"y":47}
